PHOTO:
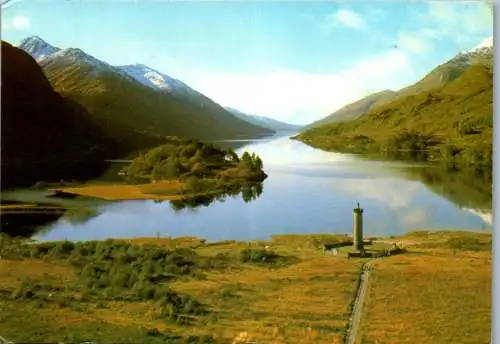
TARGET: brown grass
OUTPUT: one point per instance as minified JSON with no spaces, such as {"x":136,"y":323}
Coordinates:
{"x":12,"y":272}
{"x":310,"y":297}
{"x":163,"y":190}
{"x":429,"y":295}
{"x":432,"y":297}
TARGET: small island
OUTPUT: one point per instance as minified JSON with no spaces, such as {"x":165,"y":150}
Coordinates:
{"x":179,"y":169}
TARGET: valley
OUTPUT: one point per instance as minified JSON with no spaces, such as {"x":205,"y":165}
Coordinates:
{"x":346,"y":198}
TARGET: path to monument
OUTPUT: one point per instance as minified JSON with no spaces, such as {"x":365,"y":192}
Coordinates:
{"x":357,"y":310}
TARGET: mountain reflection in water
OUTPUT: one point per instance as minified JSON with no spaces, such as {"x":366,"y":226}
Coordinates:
{"x":307,"y":191}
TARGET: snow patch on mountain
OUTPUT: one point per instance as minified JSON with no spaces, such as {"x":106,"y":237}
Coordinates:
{"x":37,"y":47}
{"x":77,"y":55}
{"x":482,"y":53}
{"x":156,"y":80}
{"x":487,"y":43}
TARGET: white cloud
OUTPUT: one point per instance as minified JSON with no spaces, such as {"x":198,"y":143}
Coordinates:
{"x":21,"y":23}
{"x":346,"y":18}
{"x":463,"y":23}
{"x":420,"y":41}
{"x":388,"y":191}
{"x":456,"y":19}
{"x":282,"y":94}
{"x":415,"y":216}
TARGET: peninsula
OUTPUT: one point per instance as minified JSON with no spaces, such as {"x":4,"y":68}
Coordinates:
{"x":179,"y":169}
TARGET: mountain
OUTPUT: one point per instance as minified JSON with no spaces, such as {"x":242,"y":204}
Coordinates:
{"x":436,"y":78}
{"x":176,"y":88}
{"x":265,"y":122}
{"x":37,"y":47}
{"x":356,"y":109}
{"x":451,"y":70}
{"x":125,"y":107}
{"x":156,"y":80}
{"x":43,"y":135}
{"x":450,"y":123}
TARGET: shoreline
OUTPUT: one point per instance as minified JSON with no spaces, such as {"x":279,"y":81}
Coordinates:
{"x":316,"y":239}
{"x":163,"y":190}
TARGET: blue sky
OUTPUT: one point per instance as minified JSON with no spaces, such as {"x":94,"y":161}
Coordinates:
{"x":293,"y":61}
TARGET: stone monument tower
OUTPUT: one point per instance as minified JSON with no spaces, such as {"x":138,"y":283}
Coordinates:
{"x":357,"y":234}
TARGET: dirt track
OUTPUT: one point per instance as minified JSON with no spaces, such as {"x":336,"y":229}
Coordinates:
{"x":357,"y":310}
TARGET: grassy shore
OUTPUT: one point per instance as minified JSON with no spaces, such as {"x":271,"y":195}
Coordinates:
{"x":171,"y":190}
{"x":164,"y":190}
{"x":286,"y":290}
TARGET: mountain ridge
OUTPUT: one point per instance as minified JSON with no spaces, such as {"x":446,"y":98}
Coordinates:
{"x":265,"y":121}
{"x":439,"y":76}
{"x":451,"y":124}
{"x":116,"y":99}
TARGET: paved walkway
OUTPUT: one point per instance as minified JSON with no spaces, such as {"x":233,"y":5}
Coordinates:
{"x":357,"y":310}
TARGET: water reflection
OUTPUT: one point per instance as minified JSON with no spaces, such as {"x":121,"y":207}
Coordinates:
{"x":248,"y":193}
{"x":27,"y":224}
{"x":307,"y":191}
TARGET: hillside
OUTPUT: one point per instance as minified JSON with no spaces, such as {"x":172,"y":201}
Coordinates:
{"x":43,"y":135}
{"x":436,"y":78}
{"x":176,"y":88}
{"x":452,"y":123}
{"x":450,"y":70}
{"x":356,"y":109}
{"x":122,"y":105}
{"x":265,"y":122}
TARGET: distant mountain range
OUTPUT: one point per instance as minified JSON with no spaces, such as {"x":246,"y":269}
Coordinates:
{"x":126,"y":100}
{"x":154,"y":79}
{"x":265,"y":121}
{"x":438,"y":77}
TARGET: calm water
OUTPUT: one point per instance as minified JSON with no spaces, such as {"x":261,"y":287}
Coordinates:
{"x":307,"y":191}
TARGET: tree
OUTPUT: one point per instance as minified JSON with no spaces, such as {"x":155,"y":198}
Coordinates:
{"x":232,"y":156}
{"x":246,"y":160}
{"x":194,"y":184}
{"x":199,"y":169}
{"x":258,"y":165}
{"x":174,"y":168}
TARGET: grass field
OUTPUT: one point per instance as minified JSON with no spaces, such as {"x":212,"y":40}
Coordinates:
{"x":440,"y":292}
{"x":281,"y":291}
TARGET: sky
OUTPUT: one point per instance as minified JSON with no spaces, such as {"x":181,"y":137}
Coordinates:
{"x":295,"y":61}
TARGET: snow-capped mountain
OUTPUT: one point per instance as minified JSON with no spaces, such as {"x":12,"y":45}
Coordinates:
{"x":73,"y":55}
{"x":48,"y":55}
{"x":487,"y":43}
{"x":73,"y":70}
{"x":476,"y":54}
{"x":163,"y":83}
{"x":152,"y":78}
{"x":37,"y":47}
